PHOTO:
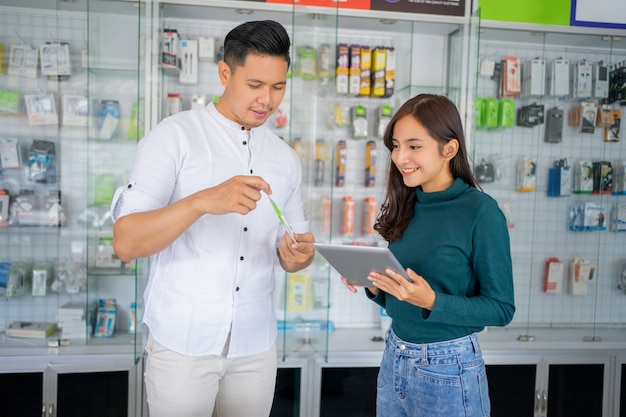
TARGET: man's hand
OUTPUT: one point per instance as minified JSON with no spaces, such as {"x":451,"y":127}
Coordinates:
{"x":296,"y":256}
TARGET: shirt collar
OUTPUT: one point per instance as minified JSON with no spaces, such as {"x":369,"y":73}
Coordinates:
{"x":225,"y":121}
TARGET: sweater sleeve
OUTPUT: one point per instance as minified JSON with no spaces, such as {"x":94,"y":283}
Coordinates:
{"x":378,"y":298}
{"x":492,"y":304}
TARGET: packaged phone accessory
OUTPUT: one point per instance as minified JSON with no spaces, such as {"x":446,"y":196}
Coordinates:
{"x":553,"y":276}
{"x":554,"y":126}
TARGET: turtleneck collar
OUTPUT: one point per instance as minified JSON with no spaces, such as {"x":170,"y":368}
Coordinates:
{"x":450,"y":193}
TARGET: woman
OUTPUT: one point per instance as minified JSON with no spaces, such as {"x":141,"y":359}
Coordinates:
{"x":453,"y":241}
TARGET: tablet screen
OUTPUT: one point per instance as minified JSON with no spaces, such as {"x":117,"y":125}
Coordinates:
{"x":356,"y":262}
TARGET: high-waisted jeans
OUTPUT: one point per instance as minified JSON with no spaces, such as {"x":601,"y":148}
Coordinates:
{"x":443,"y":379}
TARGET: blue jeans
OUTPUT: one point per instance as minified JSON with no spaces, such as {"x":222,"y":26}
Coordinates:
{"x":444,"y":379}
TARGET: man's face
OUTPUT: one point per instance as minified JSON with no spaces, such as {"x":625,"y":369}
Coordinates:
{"x":254,"y":90}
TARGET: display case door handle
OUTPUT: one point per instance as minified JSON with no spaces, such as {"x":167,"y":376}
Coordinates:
{"x":43,"y":410}
{"x":51,"y":410}
{"x":544,"y":401}
{"x":537,"y":400}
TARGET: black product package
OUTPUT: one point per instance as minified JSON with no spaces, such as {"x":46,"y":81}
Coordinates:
{"x":42,"y":162}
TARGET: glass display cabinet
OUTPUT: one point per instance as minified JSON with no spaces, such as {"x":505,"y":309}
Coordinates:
{"x":71,"y":110}
{"x":547,"y":145}
{"x":568,"y":268}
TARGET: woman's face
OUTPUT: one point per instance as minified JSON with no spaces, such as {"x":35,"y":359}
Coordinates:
{"x":418,"y":157}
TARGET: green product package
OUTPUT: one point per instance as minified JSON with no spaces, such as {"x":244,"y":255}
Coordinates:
{"x":490,"y":115}
{"x":104,"y":189}
{"x":506,"y":113}
{"x":9,"y":101}
{"x":135,"y":126}
{"x":478,"y":113}
{"x":308,"y":62}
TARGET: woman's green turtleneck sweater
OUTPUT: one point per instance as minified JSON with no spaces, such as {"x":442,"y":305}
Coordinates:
{"x":459,"y":242}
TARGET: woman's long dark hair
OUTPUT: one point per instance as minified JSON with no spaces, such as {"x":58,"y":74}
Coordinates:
{"x":441,"y":119}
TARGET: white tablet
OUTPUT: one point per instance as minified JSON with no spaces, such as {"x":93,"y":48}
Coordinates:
{"x":356,"y":262}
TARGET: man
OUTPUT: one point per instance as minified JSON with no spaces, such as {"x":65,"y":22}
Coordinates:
{"x":196,"y":204}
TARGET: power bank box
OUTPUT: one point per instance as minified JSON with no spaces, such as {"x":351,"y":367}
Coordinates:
{"x":534,"y":77}
{"x":600,"y":80}
{"x":558,"y":77}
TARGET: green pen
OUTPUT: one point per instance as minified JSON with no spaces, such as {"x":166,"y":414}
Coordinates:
{"x":282,"y":219}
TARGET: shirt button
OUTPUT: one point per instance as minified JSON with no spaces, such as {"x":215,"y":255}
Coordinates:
{"x":237,"y":289}
{"x":244,"y":142}
{"x":241,"y":258}
{"x":402,"y":346}
{"x":251,"y":172}
{"x":245,"y":229}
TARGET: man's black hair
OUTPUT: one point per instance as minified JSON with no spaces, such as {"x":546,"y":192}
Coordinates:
{"x":262,"y":37}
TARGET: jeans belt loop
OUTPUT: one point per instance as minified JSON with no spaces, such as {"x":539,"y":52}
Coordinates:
{"x":475,"y":344}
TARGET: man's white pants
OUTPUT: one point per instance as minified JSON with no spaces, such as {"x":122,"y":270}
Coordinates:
{"x":185,"y":386}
